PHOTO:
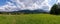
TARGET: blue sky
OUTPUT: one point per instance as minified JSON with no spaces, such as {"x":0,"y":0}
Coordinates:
{"x":52,"y":2}
{"x":3,"y":2}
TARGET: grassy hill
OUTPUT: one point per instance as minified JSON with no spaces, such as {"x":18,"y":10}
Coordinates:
{"x":30,"y":19}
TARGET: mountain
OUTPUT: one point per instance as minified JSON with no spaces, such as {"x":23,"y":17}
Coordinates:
{"x":31,"y":11}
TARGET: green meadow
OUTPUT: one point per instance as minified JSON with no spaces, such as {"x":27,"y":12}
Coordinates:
{"x":30,"y":19}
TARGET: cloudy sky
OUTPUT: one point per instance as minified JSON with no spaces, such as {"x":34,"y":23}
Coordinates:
{"x":15,"y":5}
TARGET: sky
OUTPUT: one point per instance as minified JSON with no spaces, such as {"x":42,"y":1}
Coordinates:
{"x":15,"y":5}
{"x":3,"y":2}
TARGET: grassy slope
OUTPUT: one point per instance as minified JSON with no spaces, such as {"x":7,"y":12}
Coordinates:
{"x":30,"y":19}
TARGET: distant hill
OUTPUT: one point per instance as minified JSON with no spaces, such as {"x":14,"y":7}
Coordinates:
{"x":31,"y":11}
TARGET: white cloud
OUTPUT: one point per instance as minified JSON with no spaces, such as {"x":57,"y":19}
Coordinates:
{"x":25,"y":4}
{"x":58,"y":0}
{"x":8,"y":7}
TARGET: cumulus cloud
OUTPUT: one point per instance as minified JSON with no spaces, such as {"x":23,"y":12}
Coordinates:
{"x":58,"y":0}
{"x":8,"y":7}
{"x":16,"y":5}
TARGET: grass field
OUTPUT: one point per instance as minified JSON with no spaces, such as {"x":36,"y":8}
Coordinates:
{"x":30,"y":19}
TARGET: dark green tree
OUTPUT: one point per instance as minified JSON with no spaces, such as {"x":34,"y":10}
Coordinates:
{"x":55,"y":9}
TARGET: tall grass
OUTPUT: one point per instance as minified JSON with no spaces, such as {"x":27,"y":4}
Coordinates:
{"x":30,"y":19}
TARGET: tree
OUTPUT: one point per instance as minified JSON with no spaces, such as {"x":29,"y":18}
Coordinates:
{"x":55,"y":9}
